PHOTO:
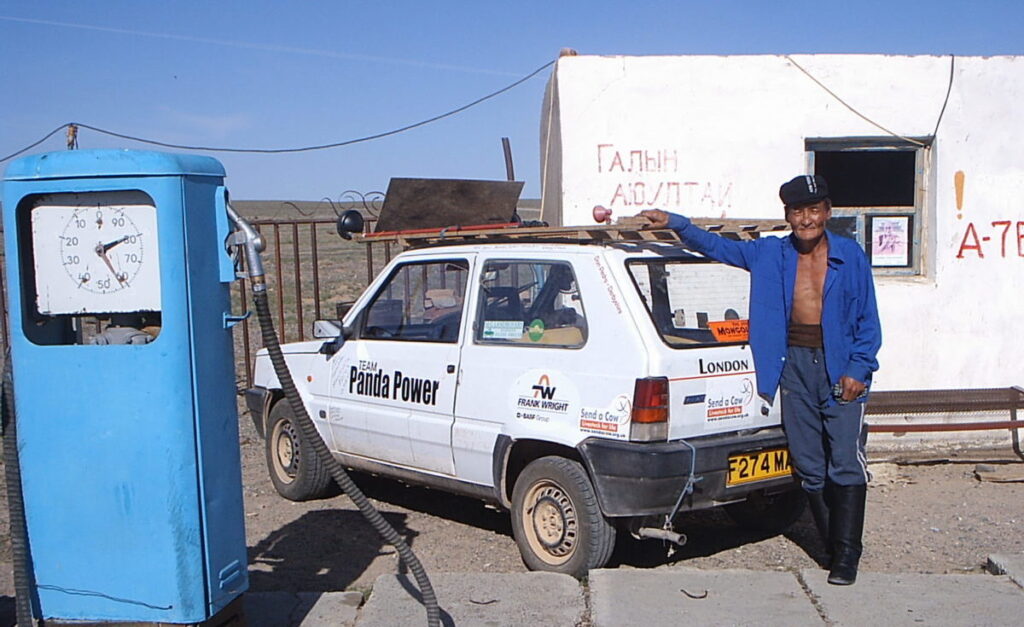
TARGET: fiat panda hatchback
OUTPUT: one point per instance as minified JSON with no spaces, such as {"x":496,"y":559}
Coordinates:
{"x":584,"y":387}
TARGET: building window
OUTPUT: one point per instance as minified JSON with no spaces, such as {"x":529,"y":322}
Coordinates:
{"x":878,"y":190}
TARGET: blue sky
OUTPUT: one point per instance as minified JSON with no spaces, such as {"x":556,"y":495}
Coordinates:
{"x":264,"y":74}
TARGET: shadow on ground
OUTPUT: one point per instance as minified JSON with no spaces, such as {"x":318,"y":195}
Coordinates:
{"x":460,"y":509}
{"x":708,"y":532}
{"x":321,"y":551}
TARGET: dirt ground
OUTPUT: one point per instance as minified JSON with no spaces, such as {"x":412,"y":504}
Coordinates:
{"x":925,"y":515}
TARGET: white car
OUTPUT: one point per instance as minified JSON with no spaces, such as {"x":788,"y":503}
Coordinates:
{"x":583,"y":386}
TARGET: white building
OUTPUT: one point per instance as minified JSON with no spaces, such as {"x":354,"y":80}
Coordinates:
{"x":931,"y":186}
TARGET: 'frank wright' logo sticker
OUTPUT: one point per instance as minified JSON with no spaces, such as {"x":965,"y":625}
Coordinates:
{"x":543,"y":395}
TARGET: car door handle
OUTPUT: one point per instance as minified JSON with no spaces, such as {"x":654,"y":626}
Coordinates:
{"x":451,"y":368}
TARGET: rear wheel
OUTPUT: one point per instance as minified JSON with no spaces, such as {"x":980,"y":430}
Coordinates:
{"x":295,"y":470}
{"x":773,"y":513}
{"x":556,"y":520}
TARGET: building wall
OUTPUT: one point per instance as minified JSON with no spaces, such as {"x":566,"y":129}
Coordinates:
{"x":716,"y":136}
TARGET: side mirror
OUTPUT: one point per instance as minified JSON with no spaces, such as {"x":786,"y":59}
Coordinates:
{"x":334,"y":342}
{"x":326,"y":329}
{"x":350,"y":222}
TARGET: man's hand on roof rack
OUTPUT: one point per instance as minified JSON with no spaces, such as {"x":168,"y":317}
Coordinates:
{"x":658,"y":219}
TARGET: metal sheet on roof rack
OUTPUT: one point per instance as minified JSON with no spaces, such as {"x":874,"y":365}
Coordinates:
{"x":439,"y":203}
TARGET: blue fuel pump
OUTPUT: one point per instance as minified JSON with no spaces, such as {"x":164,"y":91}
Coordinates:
{"x":124,"y":385}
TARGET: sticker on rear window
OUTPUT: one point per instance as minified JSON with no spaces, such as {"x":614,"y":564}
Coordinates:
{"x":503,"y":329}
{"x":730,"y":330}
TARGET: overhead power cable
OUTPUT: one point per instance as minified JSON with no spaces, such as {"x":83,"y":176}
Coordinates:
{"x":31,"y":146}
{"x":949,"y":88}
{"x":338,"y":144}
{"x":866,"y":118}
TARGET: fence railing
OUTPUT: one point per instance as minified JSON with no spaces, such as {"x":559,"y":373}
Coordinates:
{"x":310,"y":271}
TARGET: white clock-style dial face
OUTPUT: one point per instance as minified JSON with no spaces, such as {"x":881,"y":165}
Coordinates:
{"x":96,"y":252}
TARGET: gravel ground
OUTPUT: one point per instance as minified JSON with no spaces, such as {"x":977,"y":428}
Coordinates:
{"x":925,"y":515}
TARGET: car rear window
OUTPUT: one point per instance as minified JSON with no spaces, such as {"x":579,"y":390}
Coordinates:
{"x":694,"y":302}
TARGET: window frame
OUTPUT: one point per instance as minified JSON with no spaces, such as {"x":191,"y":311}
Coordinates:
{"x":478,"y":316}
{"x":361,"y":324}
{"x":863,"y":216}
{"x":684,"y":260}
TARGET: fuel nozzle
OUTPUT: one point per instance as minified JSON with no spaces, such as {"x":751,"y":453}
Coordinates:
{"x":248,"y":239}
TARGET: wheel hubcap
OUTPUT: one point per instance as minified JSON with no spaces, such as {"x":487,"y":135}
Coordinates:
{"x":286,"y":449}
{"x":550,"y":522}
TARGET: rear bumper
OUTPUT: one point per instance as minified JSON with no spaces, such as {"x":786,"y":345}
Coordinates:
{"x":640,"y":479}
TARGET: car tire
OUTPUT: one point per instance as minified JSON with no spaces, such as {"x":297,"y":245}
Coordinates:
{"x":774,"y":513}
{"x":296,"y":471}
{"x":556,"y":520}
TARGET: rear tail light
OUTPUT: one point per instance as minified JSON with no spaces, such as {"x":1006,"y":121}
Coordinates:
{"x":649,"y":422}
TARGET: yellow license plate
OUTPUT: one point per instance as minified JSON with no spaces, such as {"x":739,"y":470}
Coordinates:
{"x":758,"y":466}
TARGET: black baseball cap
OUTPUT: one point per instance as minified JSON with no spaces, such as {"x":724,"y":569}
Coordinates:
{"x":804,"y":190}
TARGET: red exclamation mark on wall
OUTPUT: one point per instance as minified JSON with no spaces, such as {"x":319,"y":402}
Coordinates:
{"x":958,"y":183}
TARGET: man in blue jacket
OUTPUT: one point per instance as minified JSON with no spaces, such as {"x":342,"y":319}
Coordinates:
{"x":814,"y":333}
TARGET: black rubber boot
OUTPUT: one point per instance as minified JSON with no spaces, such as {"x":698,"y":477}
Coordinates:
{"x":846,"y":528}
{"x":819,"y":511}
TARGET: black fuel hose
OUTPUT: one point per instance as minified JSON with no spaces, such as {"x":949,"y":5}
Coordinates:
{"x":311,"y":436}
{"x":20,"y":552}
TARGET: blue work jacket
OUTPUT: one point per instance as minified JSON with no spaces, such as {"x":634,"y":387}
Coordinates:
{"x":851,"y":332}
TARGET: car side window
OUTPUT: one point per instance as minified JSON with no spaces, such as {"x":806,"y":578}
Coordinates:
{"x":530,"y":303}
{"x":694,"y":303}
{"x":419,"y":302}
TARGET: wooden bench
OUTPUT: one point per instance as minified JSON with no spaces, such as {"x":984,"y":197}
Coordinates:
{"x":1008,"y":399}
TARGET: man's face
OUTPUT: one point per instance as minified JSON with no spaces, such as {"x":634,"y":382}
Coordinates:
{"x":808,"y":221}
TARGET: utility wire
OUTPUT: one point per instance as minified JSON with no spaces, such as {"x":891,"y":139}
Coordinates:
{"x":291,"y":150}
{"x":952,"y":65}
{"x":30,"y":147}
{"x":856,"y":112}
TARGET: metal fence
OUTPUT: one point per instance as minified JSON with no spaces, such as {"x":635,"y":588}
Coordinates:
{"x":310,"y":272}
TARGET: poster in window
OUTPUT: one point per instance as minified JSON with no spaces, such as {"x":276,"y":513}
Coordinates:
{"x":890,"y":241}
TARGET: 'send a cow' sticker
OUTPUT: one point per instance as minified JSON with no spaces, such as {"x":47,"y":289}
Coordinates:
{"x":611,"y":421}
{"x":729,"y":401}
{"x":544,"y":396}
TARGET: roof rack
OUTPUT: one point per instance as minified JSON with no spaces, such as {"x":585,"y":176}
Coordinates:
{"x":625,"y":229}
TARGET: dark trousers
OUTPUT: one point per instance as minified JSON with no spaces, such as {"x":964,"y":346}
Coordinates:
{"x":825,"y":442}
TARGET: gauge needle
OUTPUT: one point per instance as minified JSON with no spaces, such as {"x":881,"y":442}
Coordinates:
{"x":105,"y":247}
{"x":101,"y":250}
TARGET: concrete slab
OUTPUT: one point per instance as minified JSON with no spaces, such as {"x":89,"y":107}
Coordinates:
{"x":733,"y":597}
{"x":1012,"y":565}
{"x":308,"y":609}
{"x":492,"y":599}
{"x":914,"y":599}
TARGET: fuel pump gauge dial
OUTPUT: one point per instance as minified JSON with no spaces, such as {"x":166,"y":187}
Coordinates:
{"x":101,"y":248}
{"x":96,"y":252}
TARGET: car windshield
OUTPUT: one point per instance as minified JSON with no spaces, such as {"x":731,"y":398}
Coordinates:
{"x":694,"y":302}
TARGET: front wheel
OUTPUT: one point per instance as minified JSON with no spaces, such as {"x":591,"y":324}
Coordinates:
{"x":556,"y":520}
{"x":296,"y":471}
